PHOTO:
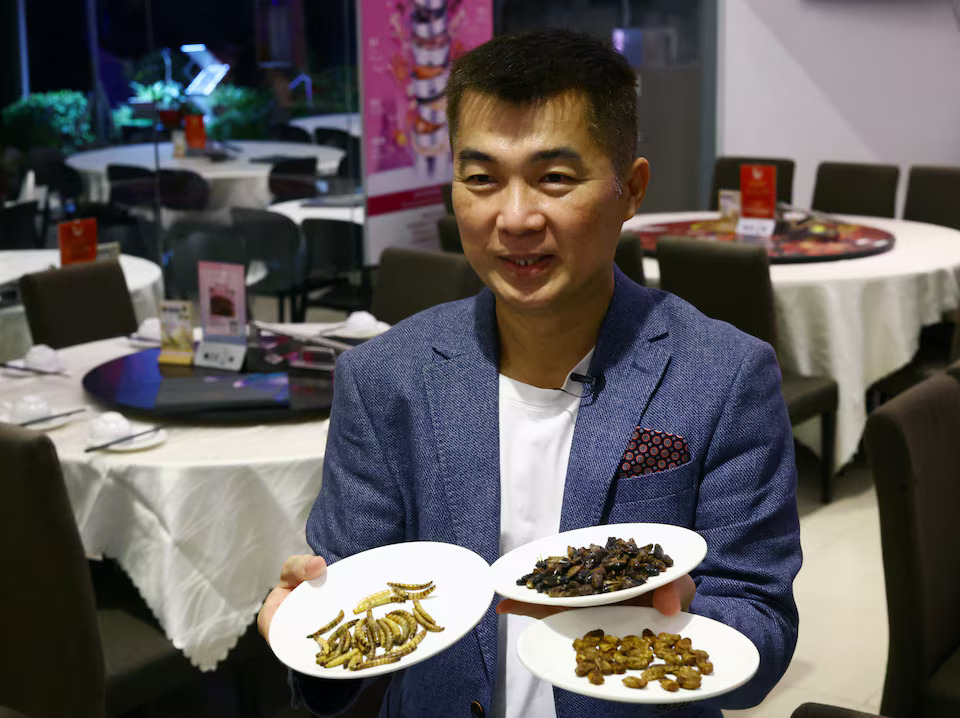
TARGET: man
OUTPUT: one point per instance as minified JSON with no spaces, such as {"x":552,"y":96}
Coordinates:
{"x":519,"y":404}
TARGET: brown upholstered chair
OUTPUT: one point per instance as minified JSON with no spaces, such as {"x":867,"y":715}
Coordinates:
{"x":78,"y":303}
{"x":411,"y":280}
{"x":726,"y":175}
{"x":63,"y":657}
{"x":819,"y":710}
{"x":856,"y":188}
{"x":932,"y":194}
{"x":731,"y":282}
{"x":913,"y":452}
{"x":449,"y":234}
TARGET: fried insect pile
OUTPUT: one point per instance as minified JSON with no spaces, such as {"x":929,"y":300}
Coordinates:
{"x":599,"y":655}
{"x":597,"y":569}
{"x":396,"y":632}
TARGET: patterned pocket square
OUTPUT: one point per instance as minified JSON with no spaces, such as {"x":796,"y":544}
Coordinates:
{"x":652,"y":450}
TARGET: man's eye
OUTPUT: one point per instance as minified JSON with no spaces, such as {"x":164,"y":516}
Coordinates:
{"x":556,"y":178}
{"x":479,"y":179}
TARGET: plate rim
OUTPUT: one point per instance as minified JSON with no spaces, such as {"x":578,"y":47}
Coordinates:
{"x":603,"y":599}
{"x":660,"y":697}
{"x":412,"y":658}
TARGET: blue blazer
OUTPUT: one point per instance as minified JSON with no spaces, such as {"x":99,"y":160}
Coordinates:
{"x":413,"y":454}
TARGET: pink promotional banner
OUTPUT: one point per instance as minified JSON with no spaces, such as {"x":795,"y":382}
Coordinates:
{"x":407,"y":48}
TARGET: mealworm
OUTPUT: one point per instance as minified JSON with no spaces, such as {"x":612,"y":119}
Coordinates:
{"x":425,"y":619}
{"x":375,"y":599}
{"x":342,"y":658}
{"x":327,"y":626}
{"x":381,"y":661}
{"x":410,"y":586}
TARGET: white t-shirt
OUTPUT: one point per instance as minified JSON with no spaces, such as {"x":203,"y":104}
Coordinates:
{"x":536,"y":433}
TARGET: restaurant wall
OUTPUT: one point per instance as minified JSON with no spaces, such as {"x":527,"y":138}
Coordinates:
{"x":846,"y":80}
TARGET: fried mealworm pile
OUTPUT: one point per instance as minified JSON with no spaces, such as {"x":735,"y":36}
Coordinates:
{"x":599,"y":655}
{"x":396,"y":632}
{"x":597,"y":569}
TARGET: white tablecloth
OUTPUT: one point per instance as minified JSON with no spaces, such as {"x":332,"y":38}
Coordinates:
{"x":855,"y":320}
{"x":144,"y":279}
{"x":348,"y":121}
{"x":201,"y":523}
{"x":235,"y":182}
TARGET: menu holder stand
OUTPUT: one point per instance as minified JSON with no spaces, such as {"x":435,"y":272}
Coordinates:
{"x":758,"y":201}
{"x":223,"y":310}
{"x":176,"y":338}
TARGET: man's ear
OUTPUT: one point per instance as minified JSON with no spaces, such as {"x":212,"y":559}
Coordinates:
{"x":635,"y":186}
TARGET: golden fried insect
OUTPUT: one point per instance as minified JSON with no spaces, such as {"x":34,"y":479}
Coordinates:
{"x":410,"y":586}
{"x":599,"y":654}
{"x":424,"y":618}
{"x":327,"y":626}
{"x":377,"y":599}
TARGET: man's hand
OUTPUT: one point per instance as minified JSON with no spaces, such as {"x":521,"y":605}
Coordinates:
{"x":669,"y":599}
{"x":295,"y":571}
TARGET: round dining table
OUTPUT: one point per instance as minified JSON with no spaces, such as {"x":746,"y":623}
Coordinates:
{"x":202,"y":522}
{"x":144,"y":280}
{"x":855,"y":320}
{"x":239,"y":180}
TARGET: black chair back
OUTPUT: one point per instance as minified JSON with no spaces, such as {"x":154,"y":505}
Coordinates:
{"x":291,"y":133}
{"x":183,"y":190}
{"x":856,"y":188}
{"x":18,"y":226}
{"x":293,"y":178}
{"x":729,"y":281}
{"x":48,"y":628}
{"x":272,"y":240}
{"x":191,"y":242}
{"x":78,"y":303}
{"x":131,"y":186}
{"x":411,"y":280}
{"x":726,"y":175}
{"x":446,"y":190}
{"x":933,"y":195}
{"x":332,"y":137}
{"x":449,"y":234}
{"x":913,"y":452}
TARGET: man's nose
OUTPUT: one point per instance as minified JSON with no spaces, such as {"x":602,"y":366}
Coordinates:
{"x":520,"y":209}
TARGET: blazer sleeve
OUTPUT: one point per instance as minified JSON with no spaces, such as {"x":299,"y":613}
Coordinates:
{"x":359,"y":507}
{"x":747,"y":513}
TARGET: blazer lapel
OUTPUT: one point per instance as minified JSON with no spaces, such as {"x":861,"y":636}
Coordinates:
{"x":631,"y":358}
{"x":462,"y":386}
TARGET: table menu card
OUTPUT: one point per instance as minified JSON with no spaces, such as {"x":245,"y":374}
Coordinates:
{"x":758,"y":191}
{"x":77,"y":240}
{"x":223,"y":314}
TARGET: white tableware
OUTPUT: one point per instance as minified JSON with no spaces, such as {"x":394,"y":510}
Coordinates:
{"x":108,"y":427}
{"x":150,"y":329}
{"x":56,"y":418}
{"x":139,"y":443}
{"x":546,"y":649}
{"x":30,"y":407}
{"x":42,"y":357}
{"x":687,"y":549}
{"x":462,"y":596}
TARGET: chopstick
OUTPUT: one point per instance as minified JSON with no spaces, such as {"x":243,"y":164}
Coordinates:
{"x":123,"y":439}
{"x":43,"y":419}
{"x":9,"y":365}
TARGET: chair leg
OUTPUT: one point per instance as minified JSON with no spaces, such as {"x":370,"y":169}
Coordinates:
{"x":828,"y":451}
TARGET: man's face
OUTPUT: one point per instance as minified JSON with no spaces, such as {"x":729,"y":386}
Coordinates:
{"x":537,"y":203}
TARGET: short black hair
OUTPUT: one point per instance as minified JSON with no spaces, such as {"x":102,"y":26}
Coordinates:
{"x":530,"y":67}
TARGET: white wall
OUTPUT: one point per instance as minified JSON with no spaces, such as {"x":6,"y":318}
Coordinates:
{"x":844,"y":80}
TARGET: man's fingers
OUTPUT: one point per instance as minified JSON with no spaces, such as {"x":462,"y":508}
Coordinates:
{"x":269,"y":608}
{"x":675,"y":596}
{"x":534,"y":610}
{"x":298,"y":569}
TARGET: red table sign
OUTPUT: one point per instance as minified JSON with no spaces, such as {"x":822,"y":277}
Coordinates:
{"x":77,"y":240}
{"x":758,"y":191}
{"x":196,"y":132}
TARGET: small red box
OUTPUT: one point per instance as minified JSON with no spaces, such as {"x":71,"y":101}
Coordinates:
{"x":758,"y":191}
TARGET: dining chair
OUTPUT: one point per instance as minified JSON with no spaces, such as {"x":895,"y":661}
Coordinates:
{"x":131,"y":186}
{"x":629,"y":258}
{"x":856,"y":188}
{"x":293,"y":178}
{"x":188,"y":243}
{"x":332,"y":137}
{"x":63,"y":655}
{"x":912,"y":450}
{"x":449,"y":234}
{"x":335,"y":266}
{"x":411,"y":280}
{"x":730,"y":281}
{"x":291,"y":133}
{"x":933,"y":196}
{"x":819,"y":710}
{"x":18,"y":226}
{"x":65,"y":191}
{"x":78,"y":303}
{"x":726,"y":175}
{"x":182,"y":190}
{"x":273,"y":242}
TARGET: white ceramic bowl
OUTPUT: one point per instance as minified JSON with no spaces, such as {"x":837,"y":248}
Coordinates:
{"x":42,"y":357}
{"x":107,"y":427}
{"x":30,"y":407}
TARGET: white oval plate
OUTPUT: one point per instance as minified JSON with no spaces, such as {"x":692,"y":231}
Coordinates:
{"x":462,"y":597}
{"x":546,"y":649}
{"x":147,"y":441}
{"x":687,"y":549}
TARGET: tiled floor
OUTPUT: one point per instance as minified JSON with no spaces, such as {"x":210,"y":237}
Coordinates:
{"x":841,"y":654}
